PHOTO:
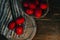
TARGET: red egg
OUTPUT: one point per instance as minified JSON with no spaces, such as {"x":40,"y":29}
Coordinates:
{"x":44,"y":6}
{"x":29,"y":11}
{"x":11,"y":25}
{"x":32,"y":6}
{"x":19,"y":30}
{"x":38,"y":13}
{"x":20,"y":20}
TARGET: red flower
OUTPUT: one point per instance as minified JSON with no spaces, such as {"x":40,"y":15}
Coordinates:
{"x":20,"y":20}
{"x":11,"y":25}
{"x":38,"y":13}
{"x":43,"y":6}
{"x":29,"y":11}
{"x":32,"y":6}
{"x":19,"y":30}
{"x":25,"y":4}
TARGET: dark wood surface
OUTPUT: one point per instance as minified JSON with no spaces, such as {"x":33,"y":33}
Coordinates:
{"x":47,"y":30}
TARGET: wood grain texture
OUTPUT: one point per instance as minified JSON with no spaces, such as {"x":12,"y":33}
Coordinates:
{"x":47,"y":30}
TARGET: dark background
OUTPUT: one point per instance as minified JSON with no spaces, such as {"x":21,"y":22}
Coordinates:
{"x":48,"y":28}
